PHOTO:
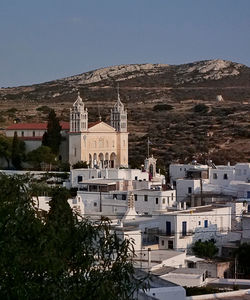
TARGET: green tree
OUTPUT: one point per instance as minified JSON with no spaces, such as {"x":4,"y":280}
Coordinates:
{"x":52,"y":137}
{"x":5,"y":149}
{"x":17,"y":152}
{"x":242,"y":255}
{"x":80,"y":165}
{"x":206,"y":249}
{"x":20,"y":233}
{"x":60,"y":256}
{"x":43,"y":154}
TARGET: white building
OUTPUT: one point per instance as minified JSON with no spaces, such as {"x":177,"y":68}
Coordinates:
{"x":99,"y":144}
{"x":32,"y":135}
{"x":225,"y":180}
{"x":246,"y":228}
{"x":187,"y":277}
{"x":180,"y":229}
{"x":109,"y":197}
{"x":80,"y":175}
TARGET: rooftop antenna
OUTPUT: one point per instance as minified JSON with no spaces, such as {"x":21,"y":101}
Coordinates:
{"x":148,"y":143}
{"x":99,"y":113}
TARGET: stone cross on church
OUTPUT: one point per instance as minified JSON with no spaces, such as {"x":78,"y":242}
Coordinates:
{"x":99,"y":144}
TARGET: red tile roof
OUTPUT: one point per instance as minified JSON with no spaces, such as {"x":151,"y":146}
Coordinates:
{"x":43,"y":126}
{"x":35,"y":126}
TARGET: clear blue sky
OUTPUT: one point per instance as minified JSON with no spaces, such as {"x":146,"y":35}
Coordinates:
{"x":42,"y":40}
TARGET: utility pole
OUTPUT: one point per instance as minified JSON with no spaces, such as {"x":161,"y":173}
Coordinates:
{"x":100,"y":201}
{"x":235,"y":269}
{"x":201,"y":194}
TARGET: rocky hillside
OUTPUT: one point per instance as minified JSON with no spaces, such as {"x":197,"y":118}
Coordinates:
{"x":162,"y":103}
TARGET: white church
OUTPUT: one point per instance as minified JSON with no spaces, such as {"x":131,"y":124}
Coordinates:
{"x":99,"y":144}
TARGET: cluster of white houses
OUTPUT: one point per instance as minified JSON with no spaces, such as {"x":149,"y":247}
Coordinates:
{"x":165,"y":221}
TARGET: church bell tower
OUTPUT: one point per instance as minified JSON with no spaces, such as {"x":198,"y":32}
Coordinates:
{"x":78,"y":116}
{"x":119,"y":115}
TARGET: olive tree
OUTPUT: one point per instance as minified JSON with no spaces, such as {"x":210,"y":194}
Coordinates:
{"x":59,"y":256}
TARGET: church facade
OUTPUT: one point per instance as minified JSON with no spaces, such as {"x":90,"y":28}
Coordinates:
{"x":99,"y":144}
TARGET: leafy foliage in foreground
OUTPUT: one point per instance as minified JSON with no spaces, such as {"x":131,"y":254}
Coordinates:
{"x":58,"y":256}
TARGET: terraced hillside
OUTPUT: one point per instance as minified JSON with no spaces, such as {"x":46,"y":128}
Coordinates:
{"x":175,"y":106}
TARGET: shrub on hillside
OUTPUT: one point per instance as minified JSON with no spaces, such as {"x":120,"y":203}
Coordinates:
{"x":200,"y":108}
{"x":160,"y":107}
{"x":44,"y":109}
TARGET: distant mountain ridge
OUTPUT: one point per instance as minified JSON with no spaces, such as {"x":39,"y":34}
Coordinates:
{"x":208,"y":73}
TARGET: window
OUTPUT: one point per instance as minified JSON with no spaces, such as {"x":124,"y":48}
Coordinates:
{"x":206,"y":223}
{"x":168,"y":228}
{"x":22,"y":133}
{"x":79,"y":178}
{"x":162,"y":242}
{"x":156,"y":200}
{"x":114,"y":196}
{"x":172,"y":196}
{"x":225,"y":177}
{"x":189,"y":190}
{"x":184,"y":228}
{"x":215,"y":176}
{"x":124,"y":197}
{"x":95,"y":204}
{"x":199,"y":223}
{"x":145,"y":198}
{"x":136,"y":177}
{"x":163,"y":200}
{"x":34,"y":134}
{"x":135,"y":197}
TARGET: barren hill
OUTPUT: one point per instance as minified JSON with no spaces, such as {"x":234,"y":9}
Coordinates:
{"x":161,"y":101}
